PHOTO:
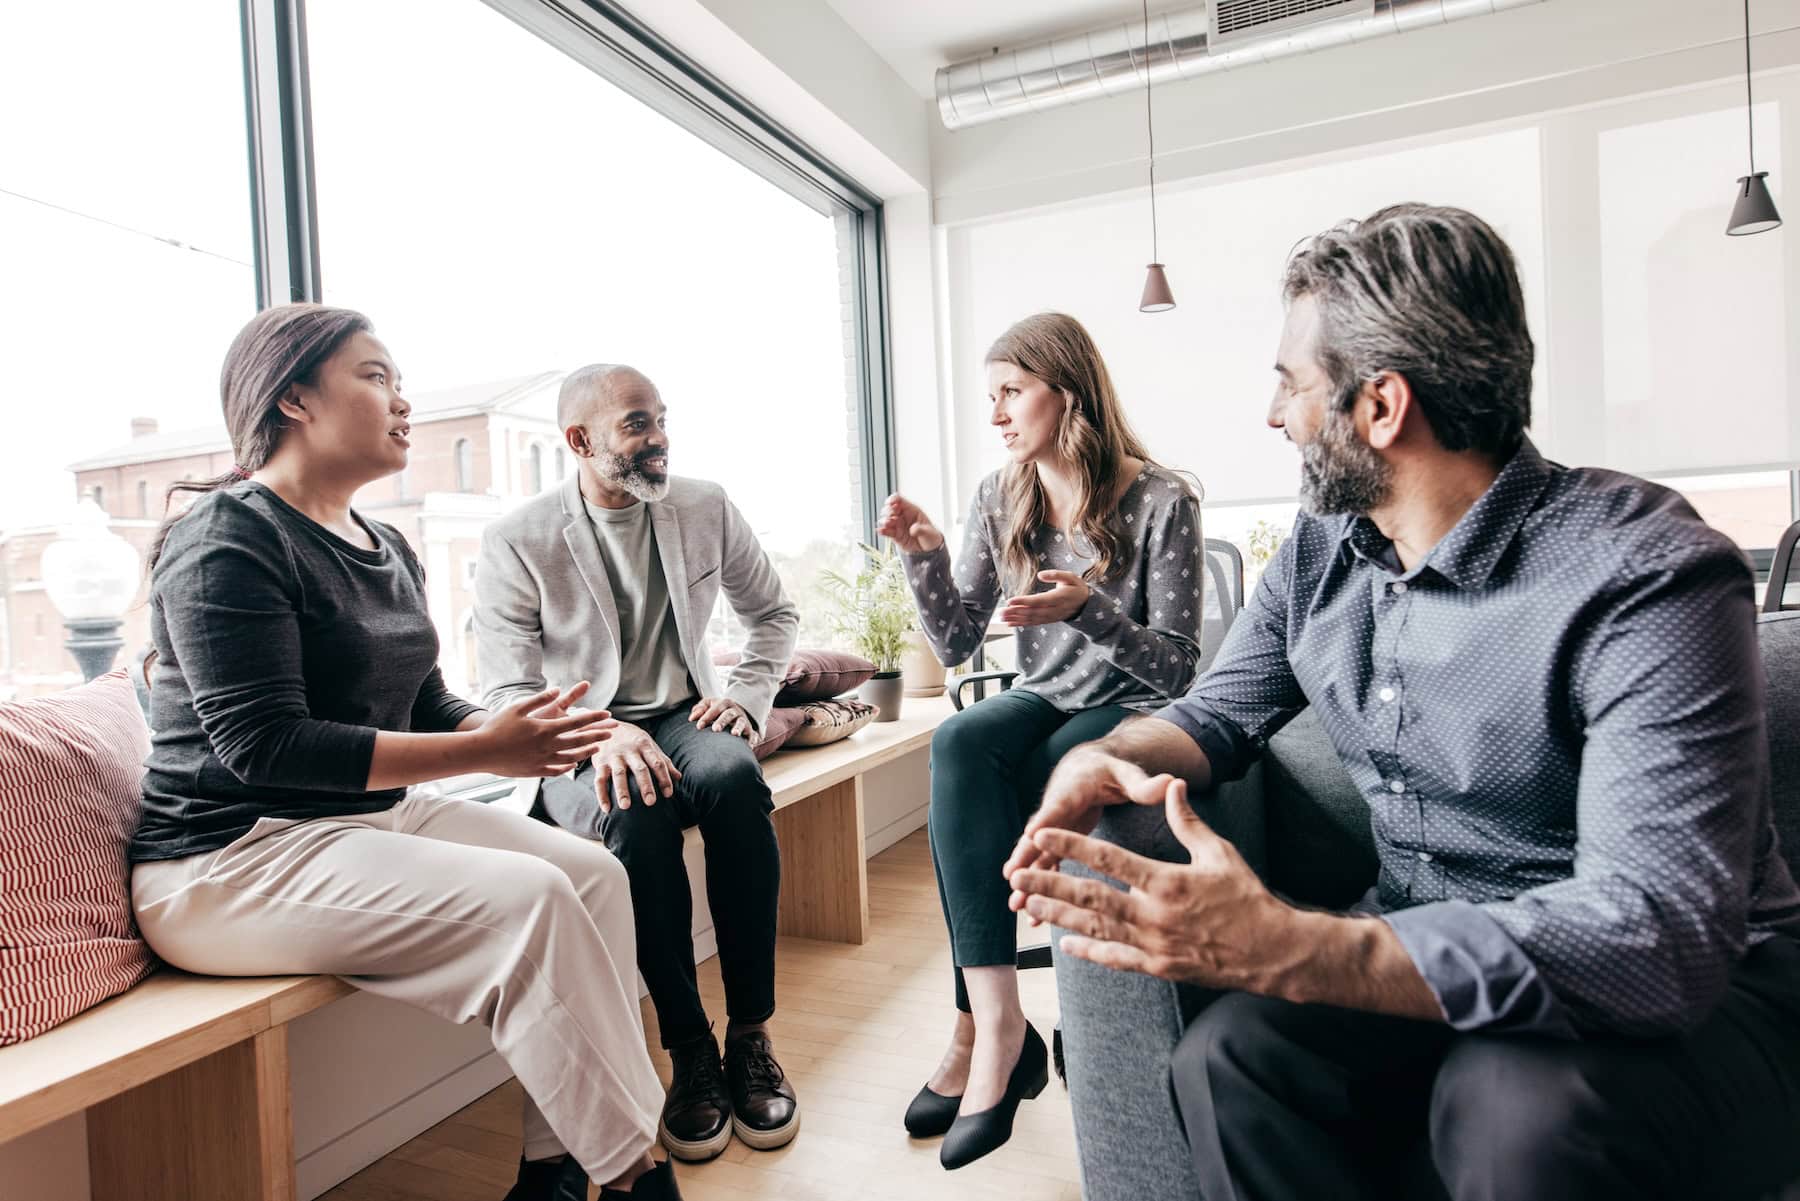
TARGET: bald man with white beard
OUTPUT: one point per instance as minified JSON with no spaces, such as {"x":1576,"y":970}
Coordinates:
{"x":612,"y":577}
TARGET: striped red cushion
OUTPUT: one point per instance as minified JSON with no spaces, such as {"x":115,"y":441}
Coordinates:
{"x":71,"y":783}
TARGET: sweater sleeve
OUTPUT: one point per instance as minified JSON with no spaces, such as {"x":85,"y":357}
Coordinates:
{"x":954,"y":606}
{"x":1164,"y":651}
{"x":229,"y":595}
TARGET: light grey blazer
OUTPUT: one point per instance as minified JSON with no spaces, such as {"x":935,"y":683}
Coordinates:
{"x":544,"y":611}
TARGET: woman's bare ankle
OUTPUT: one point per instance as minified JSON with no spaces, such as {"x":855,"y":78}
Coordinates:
{"x":952,"y":1072}
{"x":624,"y":1182}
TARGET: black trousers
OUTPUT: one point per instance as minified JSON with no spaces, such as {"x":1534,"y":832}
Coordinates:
{"x":989,"y":765}
{"x":721,"y":790}
{"x":1285,"y":1101}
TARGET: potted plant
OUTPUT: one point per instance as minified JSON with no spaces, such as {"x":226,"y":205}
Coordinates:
{"x":873,"y":611}
{"x":1264,"y":539}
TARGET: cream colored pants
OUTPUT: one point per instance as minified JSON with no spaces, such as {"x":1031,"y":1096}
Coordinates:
{"x":466,"y":911}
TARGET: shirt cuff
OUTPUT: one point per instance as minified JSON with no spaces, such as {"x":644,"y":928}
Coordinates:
{"x":1229,"y":751}
{"x":1099,"y":618}
{"x":1482,"y":979}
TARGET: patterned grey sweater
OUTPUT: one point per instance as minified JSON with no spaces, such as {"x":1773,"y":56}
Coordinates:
{"x":1136,"y":642}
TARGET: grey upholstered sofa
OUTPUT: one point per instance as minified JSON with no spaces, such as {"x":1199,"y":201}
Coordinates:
{"x":1297,"y":818}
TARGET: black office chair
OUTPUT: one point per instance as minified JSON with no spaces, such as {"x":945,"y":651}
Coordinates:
{"x":1224,"y":600}
{"x":1780,"y":573}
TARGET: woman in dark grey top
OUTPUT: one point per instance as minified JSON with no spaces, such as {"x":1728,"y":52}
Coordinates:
{"x":296,"y":695}
{"x":1093,"y":553}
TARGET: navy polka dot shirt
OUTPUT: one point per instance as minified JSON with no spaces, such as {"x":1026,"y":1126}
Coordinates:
{"x":1557,"y":721}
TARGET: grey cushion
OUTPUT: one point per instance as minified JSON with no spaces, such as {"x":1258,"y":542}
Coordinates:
{"x":1318,"y":844}
{"x":1780,"y":639}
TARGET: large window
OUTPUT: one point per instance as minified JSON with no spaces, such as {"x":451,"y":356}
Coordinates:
{"x":1664,"y":347}
{"x":125,"y":268}
{"x":526,"y":216}
{"x":508,"y":189}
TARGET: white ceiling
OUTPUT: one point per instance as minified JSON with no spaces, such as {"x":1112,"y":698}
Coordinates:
{"x":916,"y":37}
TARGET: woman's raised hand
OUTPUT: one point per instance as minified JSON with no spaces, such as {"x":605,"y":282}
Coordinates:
{"x":907,"y":525}
{"x":538,"y":736}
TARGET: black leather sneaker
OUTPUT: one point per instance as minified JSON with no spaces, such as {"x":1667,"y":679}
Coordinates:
{"x":764,"y":1111}
{"x":696,"y":1117}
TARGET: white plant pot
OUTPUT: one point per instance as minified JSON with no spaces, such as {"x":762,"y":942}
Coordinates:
{"x":920,"y":670}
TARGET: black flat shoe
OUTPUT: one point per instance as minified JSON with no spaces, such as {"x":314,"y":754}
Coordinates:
{"x":559,"y":1179}
{"x":930,"y":1114}
{"x":973,"y":1135}
{"x":658,"y":1184}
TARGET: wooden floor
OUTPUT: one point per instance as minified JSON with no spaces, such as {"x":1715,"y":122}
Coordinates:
{"x":858,"y":1030}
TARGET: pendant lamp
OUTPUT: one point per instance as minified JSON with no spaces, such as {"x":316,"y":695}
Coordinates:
{"x":1754,"y":212}
{"x":1157,"y":298}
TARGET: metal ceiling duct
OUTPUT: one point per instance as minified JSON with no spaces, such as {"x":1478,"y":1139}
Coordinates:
{"x":1113,"y":58}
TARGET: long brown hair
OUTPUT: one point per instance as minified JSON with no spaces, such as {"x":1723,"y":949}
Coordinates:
{"x":280,"y":347}
{"x":1094,"y":438}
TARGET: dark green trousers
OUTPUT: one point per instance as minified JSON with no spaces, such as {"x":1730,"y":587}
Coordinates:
{"x":989,"y":765}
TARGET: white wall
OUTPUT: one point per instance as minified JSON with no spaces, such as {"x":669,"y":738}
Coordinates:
{"x":48,"y":1164}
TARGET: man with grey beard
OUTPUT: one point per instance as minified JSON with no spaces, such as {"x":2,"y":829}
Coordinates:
{"x":612,"y":577}
{"x":1577,"y":976}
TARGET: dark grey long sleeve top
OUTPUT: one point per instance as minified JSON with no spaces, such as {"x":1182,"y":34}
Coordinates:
{"x":281,"y":650}
{"x":1135,"y":643}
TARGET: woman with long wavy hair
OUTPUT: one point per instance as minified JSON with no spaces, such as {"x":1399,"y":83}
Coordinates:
{"x":1092,"y":553}
{"x":296,"y":694}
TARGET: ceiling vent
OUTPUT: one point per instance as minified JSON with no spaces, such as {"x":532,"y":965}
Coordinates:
{"x":1183,"y":43}
{"x":1230,"y":20}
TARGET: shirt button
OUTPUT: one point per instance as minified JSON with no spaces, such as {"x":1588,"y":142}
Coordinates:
{"x":1386,"y":694}
{"x":1397,"y":587}
{"x":1396,"y":785}
{"x":1424,"y":856}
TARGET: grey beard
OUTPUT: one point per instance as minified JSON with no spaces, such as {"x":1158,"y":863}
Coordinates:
{"x":1339,"y":472}
{"x":624,"y":473}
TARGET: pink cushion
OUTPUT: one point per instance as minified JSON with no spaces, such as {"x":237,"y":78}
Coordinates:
{"x":777,"y":730}
{"x":813,"y":675}
{"x":71,"y":783}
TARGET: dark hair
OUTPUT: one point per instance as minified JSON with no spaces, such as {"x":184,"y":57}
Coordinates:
{"x":1094,"y":437}
{"x":1432,"y":294}
{"x":280,"y":347}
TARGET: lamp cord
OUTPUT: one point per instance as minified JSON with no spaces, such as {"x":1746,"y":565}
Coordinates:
{"x":1150,"y":128}
{"x":1749,"y":100}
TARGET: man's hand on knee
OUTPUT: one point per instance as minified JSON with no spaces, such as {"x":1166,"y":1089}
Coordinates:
{"x":723,"y":716}
{"x":631,"y":755}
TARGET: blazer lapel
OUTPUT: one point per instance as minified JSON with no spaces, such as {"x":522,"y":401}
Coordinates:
{"x":674,"y":564}
{"x":584,"y":548}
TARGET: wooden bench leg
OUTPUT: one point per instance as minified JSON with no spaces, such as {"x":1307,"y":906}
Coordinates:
{"x":220,"y":1129}
{"x":824,"y":876}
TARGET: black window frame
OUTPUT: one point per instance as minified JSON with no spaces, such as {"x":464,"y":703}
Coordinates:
{"x":607,"y":40}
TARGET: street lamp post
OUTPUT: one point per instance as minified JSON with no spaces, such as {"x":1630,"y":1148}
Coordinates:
{"x":91,"y":574}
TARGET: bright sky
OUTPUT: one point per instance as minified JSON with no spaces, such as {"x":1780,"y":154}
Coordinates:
{"x":496,"y":208}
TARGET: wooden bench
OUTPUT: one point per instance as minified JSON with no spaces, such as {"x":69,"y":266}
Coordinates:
{"x":185,"y":1083}
{"x":185,"y":1078}
{"x":824,"y":873}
